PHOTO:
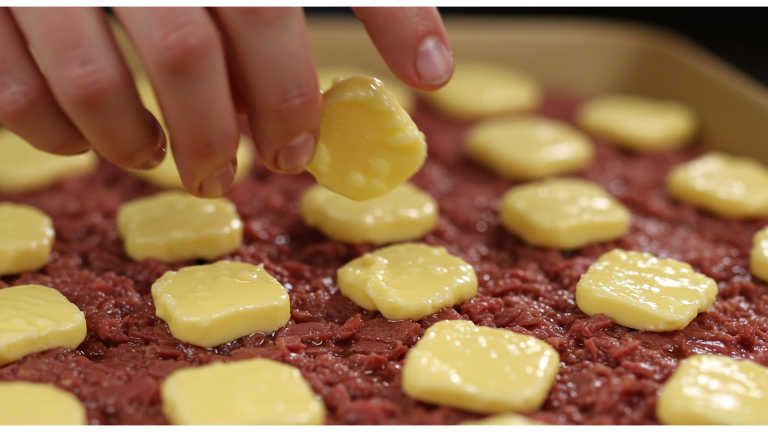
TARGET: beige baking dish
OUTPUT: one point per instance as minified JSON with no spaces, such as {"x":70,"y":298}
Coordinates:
{"x":589,"y":57}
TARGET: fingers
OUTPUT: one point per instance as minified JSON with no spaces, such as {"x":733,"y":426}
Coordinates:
{"x":275,"y":68}
{"x":412,"y":41}
{"x":25,"y":101}
{"x":92,"y":84}
{"x":184,"y":58}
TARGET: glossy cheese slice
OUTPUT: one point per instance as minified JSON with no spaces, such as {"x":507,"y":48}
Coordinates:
{"x":34,"y":318}
{"x":406,"y":213}
{"x":505,"y":419}
{"x":368,"y":144}
{"x":715,"y":390}
{"x":176,"y":226}
{"x":26,"y":238}
{"x":529,"y":147}
{"x":212,"y":304}
{"x":24,"y":168}
{"x":563,"y":213}
{"x":643,"y":292}
{"x":639,"y":123}
{"x":247,"y":392}
{"x":29,"y":403}
{"x":407,"y":281}
{"x":729,"y":186}
{"x":479,"y":89}
{"x":480,"y":369}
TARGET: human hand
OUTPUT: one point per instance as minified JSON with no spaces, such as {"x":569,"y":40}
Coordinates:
{"x":205,"y":66}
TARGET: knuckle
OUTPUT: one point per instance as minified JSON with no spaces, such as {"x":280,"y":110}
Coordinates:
{"x":18,"y":98}
{"x":90,"y":82}
{"x":296,"y":105}
{"x":181,"y":46}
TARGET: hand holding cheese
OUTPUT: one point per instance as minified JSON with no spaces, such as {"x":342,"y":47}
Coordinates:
{"x":79,"y":84}
{"x":368,"y":144}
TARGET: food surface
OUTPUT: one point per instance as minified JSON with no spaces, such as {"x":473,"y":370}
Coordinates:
{"x":353,"y":358}
{"x":27,"y":235}
{"x":27,"y":403}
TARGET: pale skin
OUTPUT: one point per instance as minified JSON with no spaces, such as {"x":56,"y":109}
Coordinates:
{"x":206,"y":66}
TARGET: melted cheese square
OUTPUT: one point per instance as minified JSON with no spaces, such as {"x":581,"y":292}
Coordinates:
{"x":34,"y":318}
{"x":248,"y":392}
{"x":24,"y":168}
{"x":729,"y":186}
{"x":480,"y":369}
{"x":406,"y":213}
{"x":715,"y":390}
{"x":528,"y":147}
{"x":482,"y":89}
{"x":639,"y":123}
{"x":407,"y":281}
{"x":643,"y":292}
{"x":26,"y":238}
{"x":368,"y":144}
{"x":758,"y":257}
{"x":212,"y":304}
{"x":175,"y":226}
{"x":563,"y":213}
{"x":403,"y":94}
{"x":28,"y":403}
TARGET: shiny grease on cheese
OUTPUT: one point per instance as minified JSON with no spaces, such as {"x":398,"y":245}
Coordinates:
{"x":34,"y":318}
{"x":644,"y":292}
{"x":407,"y":281}
{"x":248,"y":392}
{"x":405,"y":213}
{"x":212,"y":304}
{"x":176,"y":226}
{"x":368,"y":144}
{"x":480,"y":369}
{"x":563,"y":213}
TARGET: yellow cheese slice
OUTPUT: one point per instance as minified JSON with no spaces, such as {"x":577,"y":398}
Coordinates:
{"x":482,"y":89}
{"x":407,"y":281}
{"x":480,"y":369}
{"x":166,"y":175}
{"x":175,"y":226}
{"x":529,"y":147}
{"x":506,"y":419}
{"x":715,"y":390}
{"x":758,"y":257}
{"x":563,"y":213}
{"x":639,"y":123}
{"x":726,"y":185}
{"x":402,"y":93}
{"x":212,"y":304}
{"x":29,"y":403}
{"x":257,"y":391}
{"x":641,"y":291}
{"x":34,"y":318}
{"x":24,"y":168}
{"x":368,"y":144}
{"x":26,"y":238}
{"x":406,"y":213}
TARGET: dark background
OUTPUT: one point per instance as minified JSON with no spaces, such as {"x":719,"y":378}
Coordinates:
{"x":738,"y":35}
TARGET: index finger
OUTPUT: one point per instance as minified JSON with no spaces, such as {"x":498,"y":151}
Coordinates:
{"x":412,"y":41}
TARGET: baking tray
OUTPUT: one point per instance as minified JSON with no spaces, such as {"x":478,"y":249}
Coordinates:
{"x":588,"y":57}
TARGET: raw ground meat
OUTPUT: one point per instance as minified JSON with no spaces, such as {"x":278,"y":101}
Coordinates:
{"x":609,"y":374}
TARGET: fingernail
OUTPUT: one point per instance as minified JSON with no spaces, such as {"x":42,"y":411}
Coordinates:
{"x":219,"y":183}
{"x":159,"y":153}
{"x":434,"y":63}
{"x":294,"y":156}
